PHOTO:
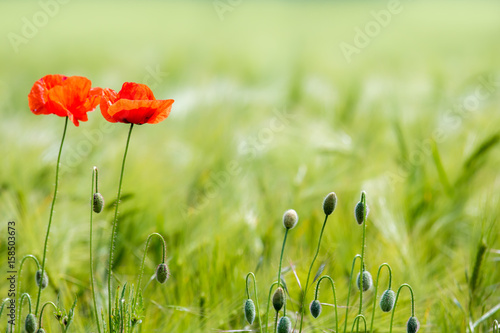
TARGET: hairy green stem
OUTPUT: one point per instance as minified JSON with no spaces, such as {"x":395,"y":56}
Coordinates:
{"x":304,"y":294}
{"x":376,"y":288}
{"x":396,"y":303}
{"x":44,"y":257}
{"x":349,"y":291}
{"x":23,"y":296}
{"x":41,"y":312}
{"x":279,"y":272}
{"x":356,"y":320}
{"x":269,"y":304}
{"x":95,"y":181}
{"x":256,"y":296}
{"x":113,"y":231}
{"x":29,"y":256}
{"x":334,"y":298}
{"x":164,"y":255}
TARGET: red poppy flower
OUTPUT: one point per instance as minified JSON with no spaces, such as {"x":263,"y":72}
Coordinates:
{"x":64,"y":96}
{"x":134,"y":104}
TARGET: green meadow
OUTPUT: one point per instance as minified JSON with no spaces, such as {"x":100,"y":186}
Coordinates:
{"x":277,"y":103}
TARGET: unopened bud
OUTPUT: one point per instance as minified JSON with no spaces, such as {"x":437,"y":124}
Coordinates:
{"x":387,"y":300}
{"x":330,"y":203}
{"x":290,"y":219}
{"x":249,"y":311}
{"x":162,"y":273}
{"x":98,"y":202}
{"x":284,"y":325}
{"x":359,"y":212}
{"x":30,"y":323}
{"x":40,"y":330}
{"x":367,"y":281}
{"x":278,"y":299}
{"x":315,"y":308}
{"x":412,"y":326}
{"x":44,"y":281}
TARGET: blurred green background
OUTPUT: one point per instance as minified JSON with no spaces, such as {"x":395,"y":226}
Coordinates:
{"x":276,"y":104}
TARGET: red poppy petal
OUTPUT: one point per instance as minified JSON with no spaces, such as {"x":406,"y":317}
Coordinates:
{"x":135,"y":91}
{"x":108,"y":97}
{"x":136,"y":112}
{"x":162,"y":111}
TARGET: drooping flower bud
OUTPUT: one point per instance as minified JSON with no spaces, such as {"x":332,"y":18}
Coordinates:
{"x":98,"y":202}
{"x":162,"y":273}
{"x":290,"y":219}
{"x":387,"y":300}
{"x":44,"y":281}
{"x":330,"y":203}
{"x":278,"y":299}
{"x":30,"y":324}
{"x":40,"y":330}
{"x":367,"y":281}
{"x":284,"y":325}
{"x":249,"y":311}
{"x":412,"y":326}
{"x":315,"y":308}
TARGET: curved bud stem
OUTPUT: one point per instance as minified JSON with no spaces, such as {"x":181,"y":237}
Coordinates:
{"x":51,"y":214}
{"x":3,"y":305}
{"x":256,"y":296}
{"x":26,"y":257}
{"x":304,"y":295}
{"x":349,"y":291}
{"x":95,"y":175}
{"x":115,"y":222}
{"x":396,"y":302}
{"x":334,"y":298}
{"x":495,"y":326}
{"x":269,"y":304}
{"x":356,"y":320}
{"x":23,"y":296}
{"x":376,"y":288}
{"x":164,"y":255}
{"x":41,"y":312}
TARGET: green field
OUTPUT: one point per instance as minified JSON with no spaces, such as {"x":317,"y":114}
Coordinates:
{"x":269,"y":114}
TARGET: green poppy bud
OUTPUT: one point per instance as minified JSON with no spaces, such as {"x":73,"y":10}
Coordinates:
{"x":278,"y":299}
{"x":44,"y":281}
{"x":359,"y":212}
{"x":284,"y":325}
{"x":330,"y":203}
{"x":30,"y":323}
{"x":367,"y":281}
{"x":98,"y":202}
{"x":315,"y":308}
{"x":162,"y":273}
{"x":412,"y":326}
{"x":387,"y":300}
{"x":290,"y":219}
{"x":40,"y":330}
{"x":249,"y":311}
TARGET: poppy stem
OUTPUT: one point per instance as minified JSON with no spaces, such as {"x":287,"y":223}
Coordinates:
{"x":113,"y":232}
{"x":20,"y":271}
{"x":51,"y":214}
{"x":306,"y":287}
{"x":95,"y":176}
{"x":376,"y":289}
{"x":396,"y":303}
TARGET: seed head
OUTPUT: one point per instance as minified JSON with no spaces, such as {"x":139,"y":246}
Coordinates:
{"x":412,"y":326}
{"x":44,"y":281}
{"x":162,"y":273}
{"x":284,"y":325}
{"x":249,"y":311}
{"x":278,"y":299}
{"x":315,"y":308}
{"x":30,"y":323}
{"x":98,"y":202}
{"x":330,"y":203}
{"x":367,"y":281}
{"x":290,"y":219}
{"x":387,"y":300}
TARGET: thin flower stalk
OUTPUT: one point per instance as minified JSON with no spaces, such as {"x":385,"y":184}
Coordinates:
{"x":376,"y":289}
{"x":396,"y":302}
{"x":256,"y":296}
